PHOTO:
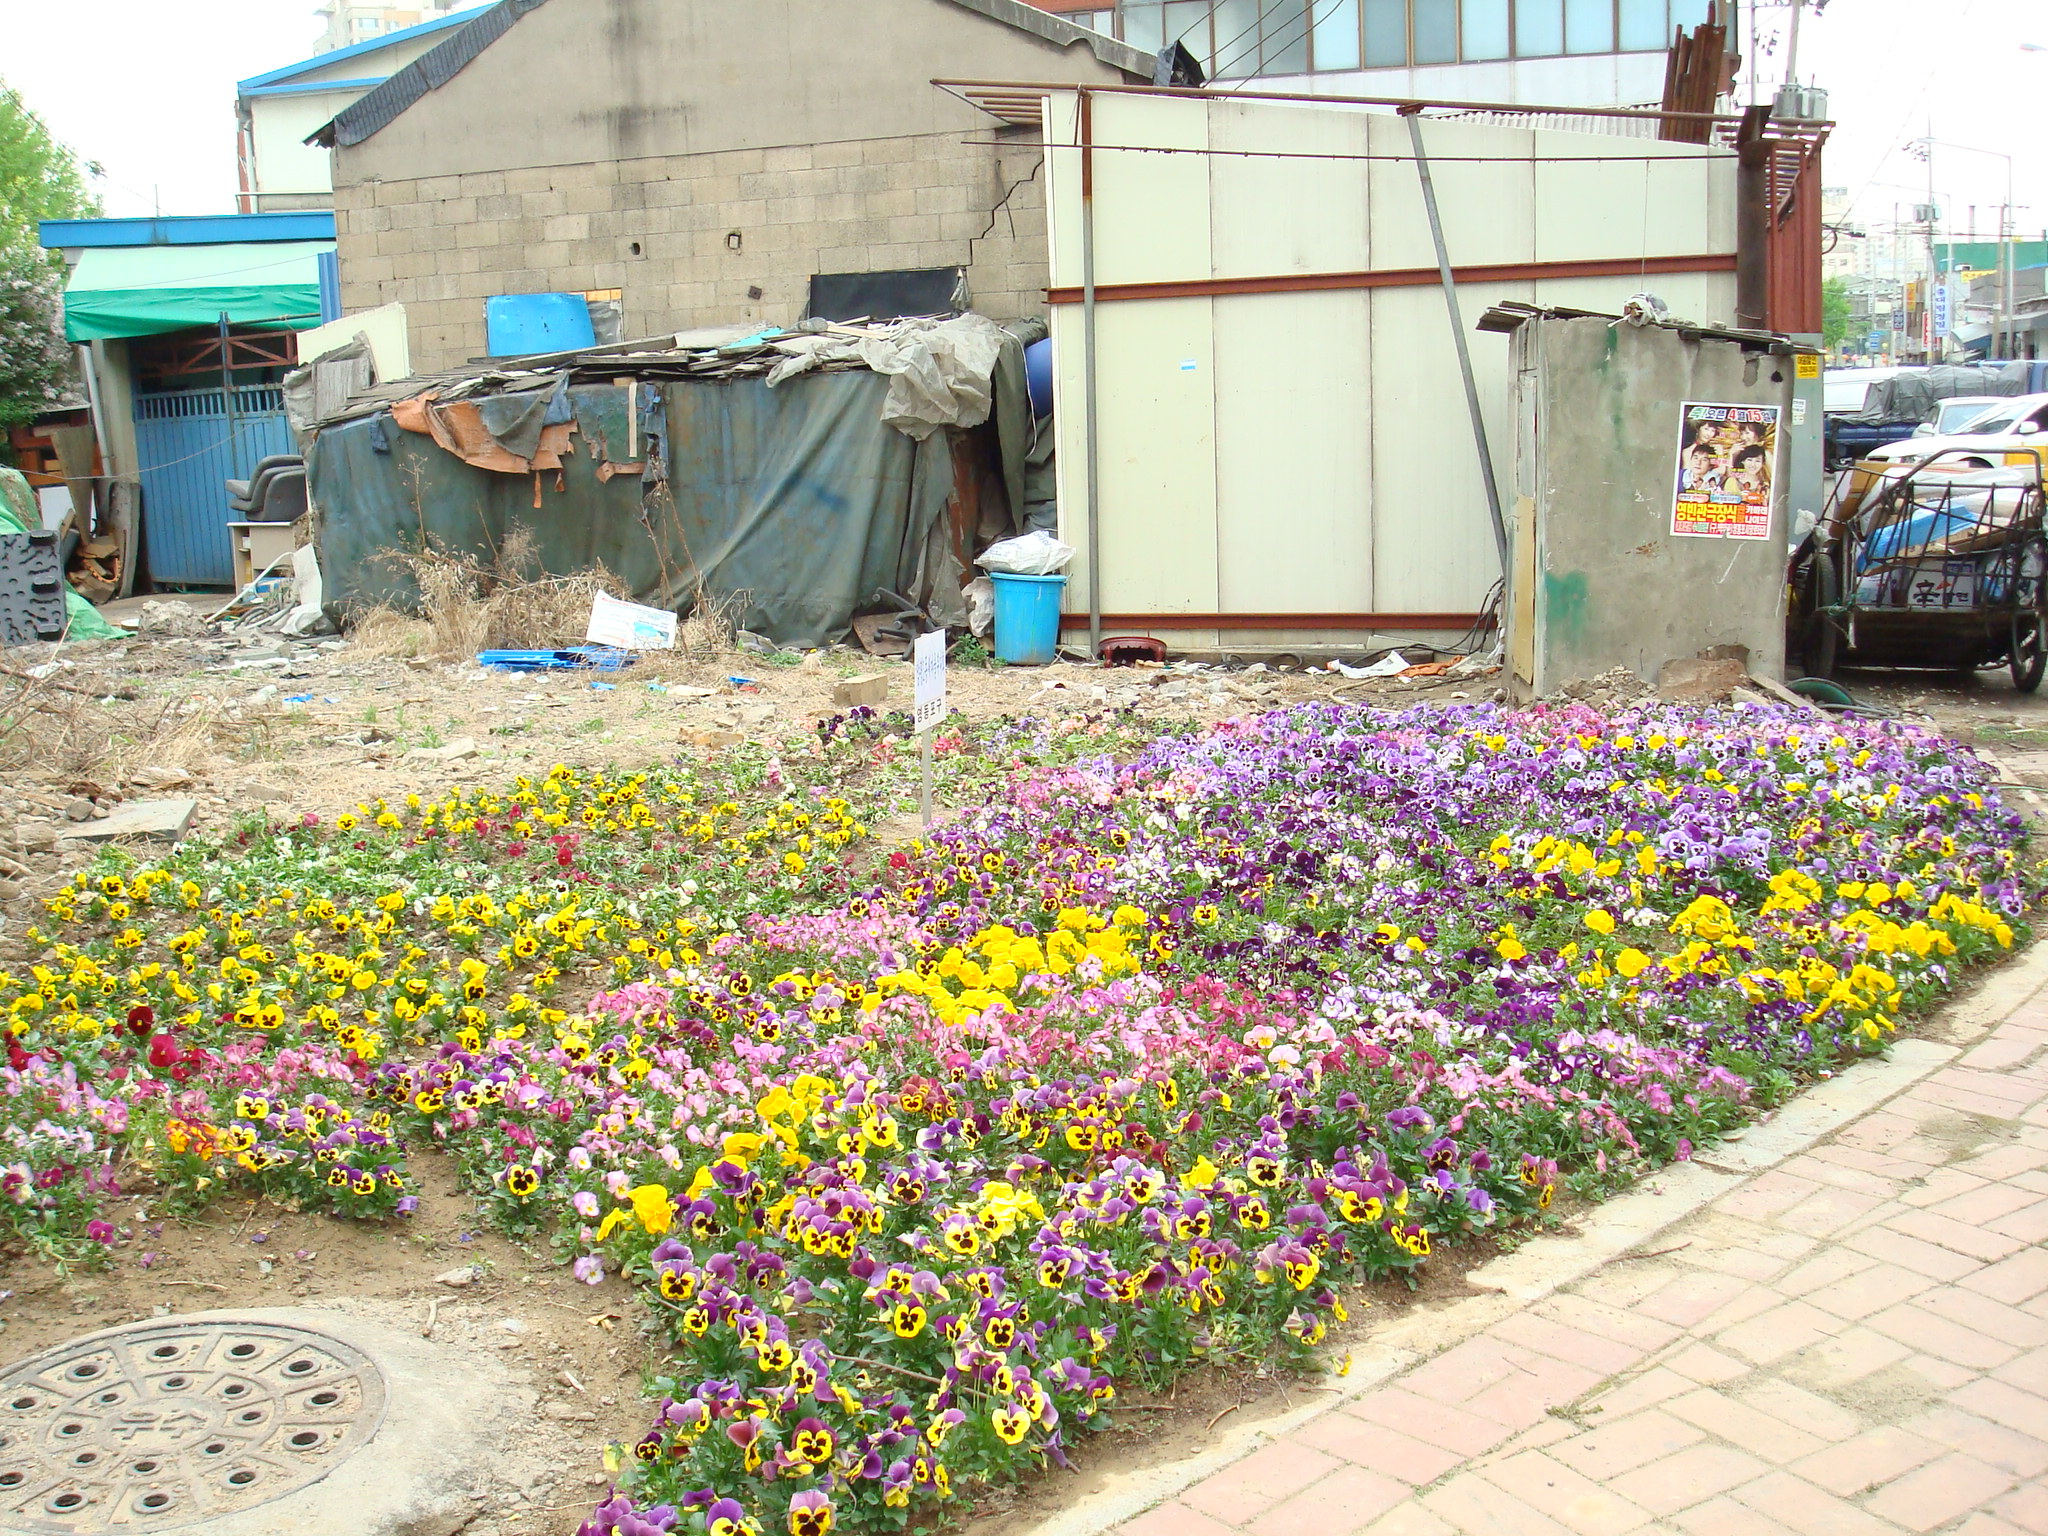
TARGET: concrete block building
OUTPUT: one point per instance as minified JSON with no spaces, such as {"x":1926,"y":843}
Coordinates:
{"x":700,"y":160}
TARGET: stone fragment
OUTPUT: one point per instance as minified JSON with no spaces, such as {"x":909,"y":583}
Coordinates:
{"x":164,"y":821}
{"x":1700,"y":679}
{"x":870,"y":689}
{"x":714,"y":741}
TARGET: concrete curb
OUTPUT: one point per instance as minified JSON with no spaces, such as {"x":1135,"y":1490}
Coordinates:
{"x":1546,"y":1264}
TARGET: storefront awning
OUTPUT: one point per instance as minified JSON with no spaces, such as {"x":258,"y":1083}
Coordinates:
{"x":147,"y":290}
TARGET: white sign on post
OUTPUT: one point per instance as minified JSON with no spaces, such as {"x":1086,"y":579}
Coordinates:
{"x":928,"y":660}
{"x":928,"y":657}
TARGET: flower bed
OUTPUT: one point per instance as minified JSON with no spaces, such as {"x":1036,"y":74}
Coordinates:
{"x":919,"y":1159}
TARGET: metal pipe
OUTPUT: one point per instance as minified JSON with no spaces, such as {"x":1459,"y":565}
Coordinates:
{"x":1093,"y":455}
{"x":1450,"y":287}
{"x":1753,"y":221}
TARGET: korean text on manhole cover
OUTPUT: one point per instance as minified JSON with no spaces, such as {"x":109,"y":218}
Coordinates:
{"x":163,"y":1424}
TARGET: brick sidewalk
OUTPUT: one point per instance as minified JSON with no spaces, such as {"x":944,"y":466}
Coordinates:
{"x":1852,"y":1343}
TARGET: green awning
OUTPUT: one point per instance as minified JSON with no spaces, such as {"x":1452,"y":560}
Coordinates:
{"x":145,"y":290}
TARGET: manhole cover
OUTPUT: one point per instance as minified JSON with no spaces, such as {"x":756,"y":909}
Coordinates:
{"x":161,"y":1424}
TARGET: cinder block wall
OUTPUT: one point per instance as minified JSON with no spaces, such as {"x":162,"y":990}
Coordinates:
{"x":662,"y":232}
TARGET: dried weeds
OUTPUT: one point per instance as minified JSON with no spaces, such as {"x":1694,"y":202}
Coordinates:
{"x":468,"y":605}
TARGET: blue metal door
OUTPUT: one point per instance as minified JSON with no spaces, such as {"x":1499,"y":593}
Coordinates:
{"x":191,"y":443}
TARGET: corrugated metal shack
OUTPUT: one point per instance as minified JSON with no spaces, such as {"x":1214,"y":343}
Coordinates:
{"x":810,"y":475}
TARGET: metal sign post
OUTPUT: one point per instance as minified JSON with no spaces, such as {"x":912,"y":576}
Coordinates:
{"x":928,"y":660}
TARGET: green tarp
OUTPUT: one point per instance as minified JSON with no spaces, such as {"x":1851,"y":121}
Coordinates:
{"x":800,"y":497}
{"x":19,"y":514}
{"x":146,"y":290}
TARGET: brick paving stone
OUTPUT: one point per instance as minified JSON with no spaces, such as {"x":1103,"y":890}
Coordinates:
{"x":1175,"y":1519}
{"x":2026,"y":1507}
{"x":1945,"y":1340}
{"x":1572,"y":1500}
{"x":1363,"y":1443}
{"x":1809,"y":1510}
{"x":1734,"y":1386}
{"x":1606,"y":1356}
{"x":1739,"y":1424}
{"x":1725,"y":1517}
{"x":2008,"y":1403}
{"x":1773,"y":1334}
{"x":1995,"y":1444}
{"x":1825,"y":1272}
{"x":1687,"y":1477}
{"x":1795,"y":1405}
{"x":1438,"y":1423}
{"x":1852,"y":1355}
{"x":1984,"y":1315}
{"x":1270,"y":1474}
{"x":1630,"y":1394}
{"x":1868,"y":1461}
{"x":1345,"y":1501}
{"x":2012,"y":1281}
{"x":1872,"y":1291}
{"x":1408,"y":1520}
{"x":1704,"y":1363}
{"x":1892,"y":1245}
{"x":1628,"y":1443}
{"x":2029,"y":1225}
{"x":1945,"y":1489}
{"x":1622,"y":1323}
{"x":1470,"y":1503}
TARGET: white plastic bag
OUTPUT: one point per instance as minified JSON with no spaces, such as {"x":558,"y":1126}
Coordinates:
{"x":981,"y":605}
{"x":1033,"y":554}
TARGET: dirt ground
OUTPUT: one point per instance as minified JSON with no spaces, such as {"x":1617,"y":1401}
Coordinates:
{"x":293,"y":726}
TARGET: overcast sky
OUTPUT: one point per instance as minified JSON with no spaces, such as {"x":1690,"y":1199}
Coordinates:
{"x":147,"y":89}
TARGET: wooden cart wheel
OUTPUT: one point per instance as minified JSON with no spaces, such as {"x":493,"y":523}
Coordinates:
{"x":1821,"y":639}
{"x":2027,"y":654}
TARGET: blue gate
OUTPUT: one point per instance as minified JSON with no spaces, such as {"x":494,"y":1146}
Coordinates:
{"x":191,"y":443}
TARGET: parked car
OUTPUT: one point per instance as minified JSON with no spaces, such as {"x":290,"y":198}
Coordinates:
{"x":1955,"y":415}
{"x":2012,"y":426}
{"x":1903,"y":399}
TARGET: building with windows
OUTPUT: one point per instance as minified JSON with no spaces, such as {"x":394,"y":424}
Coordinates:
{"x":275,"y":111}
{"x":350,"y":22}
{"x":1588,"y":53}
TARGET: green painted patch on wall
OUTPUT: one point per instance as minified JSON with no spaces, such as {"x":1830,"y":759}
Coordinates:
{"x":1566,"y":603}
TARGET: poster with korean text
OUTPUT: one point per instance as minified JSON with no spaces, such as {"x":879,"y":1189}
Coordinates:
{"x":1726,"y":454}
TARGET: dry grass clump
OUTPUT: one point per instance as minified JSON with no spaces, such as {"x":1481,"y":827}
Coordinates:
{"x":55,"y":730}
{"x":467,"y":605}
{"x":712,"y":626}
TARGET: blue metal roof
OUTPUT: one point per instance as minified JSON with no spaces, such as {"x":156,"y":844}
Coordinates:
{"x":201,"y":229}
{"x":355,"y":50}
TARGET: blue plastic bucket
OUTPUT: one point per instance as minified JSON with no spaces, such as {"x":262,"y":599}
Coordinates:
{"x":1027,"y":617}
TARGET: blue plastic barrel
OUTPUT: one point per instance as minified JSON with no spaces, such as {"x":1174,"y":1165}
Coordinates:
{"x":1038,"y":375}
{"x":1027,"y":617}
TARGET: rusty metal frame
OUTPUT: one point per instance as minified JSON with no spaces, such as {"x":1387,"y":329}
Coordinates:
{"x":1401,"y":277}
{"x":1390,"y":622}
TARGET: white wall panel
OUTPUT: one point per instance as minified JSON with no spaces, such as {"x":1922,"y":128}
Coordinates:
{"x":1151,"y":210}
{"x":1486,"y":204}
{"x":1294,"y":453}
{"x":1326,"y":223}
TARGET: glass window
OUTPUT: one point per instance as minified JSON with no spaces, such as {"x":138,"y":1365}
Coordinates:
{"x":1187,"y":21}
{"x":1286,"y":37}
{"x":1486,"y":29}
{"x":1236,"y":29}
{"x":1644,"y":26}
{"x":1688,"y":13}
{"x":1436,"y":31}
{"x":1143,"y":26}
{"x":1386,"y":33}
{"x":1589,"y":26}
{"x":1539,"y":28}
{"x":1336,"y":34}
